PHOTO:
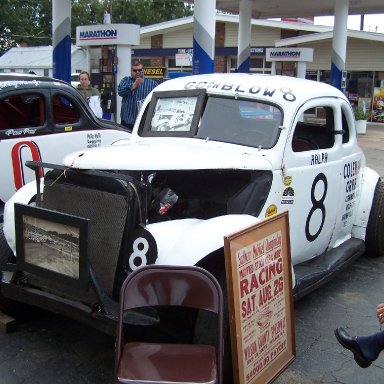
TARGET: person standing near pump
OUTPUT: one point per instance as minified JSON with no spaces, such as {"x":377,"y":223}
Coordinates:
{"x":133,"y":89}
{"x":90,"y":94}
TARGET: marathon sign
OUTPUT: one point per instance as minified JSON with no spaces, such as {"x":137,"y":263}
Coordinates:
{"x":105,"y":34}
{"x":289,"y":54}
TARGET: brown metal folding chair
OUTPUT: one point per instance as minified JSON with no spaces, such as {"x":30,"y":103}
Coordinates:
{"x":147,"y":362}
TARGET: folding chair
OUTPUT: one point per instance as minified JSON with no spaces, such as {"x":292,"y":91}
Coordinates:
{"x":147,"y":362}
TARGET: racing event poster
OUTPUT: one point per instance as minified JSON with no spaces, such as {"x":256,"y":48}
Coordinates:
{"x":260,"y":300}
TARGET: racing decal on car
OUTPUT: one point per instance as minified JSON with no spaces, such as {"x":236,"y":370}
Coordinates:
{"x":93,"y":140}
{"x":17,"y":160}
{"x":19,"y":132}
{"x":317,"y":205}
{"x":287,"y":180}
{"x":351,"y":173}
{"x":319,"y":158}
{"x":142,"y":250}
{"x":254,"y":90}
{"x":271,"y":210}
{"x":17,"y":83}
{"x":288,"y":196}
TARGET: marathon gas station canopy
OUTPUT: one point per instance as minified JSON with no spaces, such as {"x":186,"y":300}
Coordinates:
{"x":204,"y":27}
{"x":265,"y":9}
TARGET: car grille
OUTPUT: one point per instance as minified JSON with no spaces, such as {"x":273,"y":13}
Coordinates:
{"x":108,"y":213}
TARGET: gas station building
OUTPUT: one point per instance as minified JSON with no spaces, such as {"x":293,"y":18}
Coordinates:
{"x":277,"y":47}
{"x":162,"y":44}
{"x":280,"y":47}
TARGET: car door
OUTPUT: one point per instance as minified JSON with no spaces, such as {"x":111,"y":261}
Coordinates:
{"x":44,"y":125}
{"x":312,"y":167}
{"x":353,"y":163}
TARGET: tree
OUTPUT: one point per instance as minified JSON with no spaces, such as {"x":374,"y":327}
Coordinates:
{"x":87,"y":12}
{"x":25,"y":21}
{"x":30,"y":21}
{"x":147,"y":12}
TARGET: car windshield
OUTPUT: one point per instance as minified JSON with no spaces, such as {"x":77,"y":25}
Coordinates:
{"x":250,"y":123}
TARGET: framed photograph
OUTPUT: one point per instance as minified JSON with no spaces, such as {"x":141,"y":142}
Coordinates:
{"x":174,"y":113}
{"x":52,"y":245}
{"x":260,"y":300}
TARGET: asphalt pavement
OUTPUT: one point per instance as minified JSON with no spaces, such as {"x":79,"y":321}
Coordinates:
{"x":372,"y":143}
{"x":49,"y":349}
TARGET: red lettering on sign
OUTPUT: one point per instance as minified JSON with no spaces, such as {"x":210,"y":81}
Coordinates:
{"x":17,"y":161}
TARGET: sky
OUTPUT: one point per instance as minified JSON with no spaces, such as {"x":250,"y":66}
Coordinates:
{"x":372,"y":23}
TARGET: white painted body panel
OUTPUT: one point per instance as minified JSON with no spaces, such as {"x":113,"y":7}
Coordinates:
{"x":369,"y":180}
{"x":51,"y":148}
{"x":166,"y":154}
{"x":23,"y":196}
{"x":178,"y":240}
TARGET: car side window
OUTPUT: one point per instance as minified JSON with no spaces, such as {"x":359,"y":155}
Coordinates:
{"x":22,"y":111}
{"x":314,"y":132}
{"x":345,"y":128}
{"x":64,"y":111}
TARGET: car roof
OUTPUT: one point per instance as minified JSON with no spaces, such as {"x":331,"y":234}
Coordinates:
{"x":271,"y":88}
{"x":24,"y":79}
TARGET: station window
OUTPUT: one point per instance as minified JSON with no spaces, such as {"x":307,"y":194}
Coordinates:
{"x":144,"y":61}
{"x":360,"y":83}
{"x":171,"y":66}
{"x":257,"y":65}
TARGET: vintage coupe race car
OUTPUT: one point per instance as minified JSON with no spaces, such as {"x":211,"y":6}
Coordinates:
{"x":250,"y":146}
{"x":43,"y":119}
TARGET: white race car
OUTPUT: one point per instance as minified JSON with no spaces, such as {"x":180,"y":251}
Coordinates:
{"x":253,"y":146}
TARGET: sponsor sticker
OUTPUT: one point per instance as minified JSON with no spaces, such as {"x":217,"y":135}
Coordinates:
{"x":287,"y":180}
{"x":271,"y":210}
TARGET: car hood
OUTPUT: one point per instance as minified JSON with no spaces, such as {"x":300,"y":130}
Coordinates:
{"x":167,"y":155}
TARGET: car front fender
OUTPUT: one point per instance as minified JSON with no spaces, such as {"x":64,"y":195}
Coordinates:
{"x":187,"y":241}
{"x":368,"y":184}
{"x":24,"y":195}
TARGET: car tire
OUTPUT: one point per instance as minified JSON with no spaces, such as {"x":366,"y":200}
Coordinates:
{"x":5,"y":255}
{"x":374,"y":238}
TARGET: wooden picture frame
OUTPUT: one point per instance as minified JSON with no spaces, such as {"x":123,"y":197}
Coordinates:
{"x":52,"y":245}
{"x":260,"y":300}
{"x":174,"y":113}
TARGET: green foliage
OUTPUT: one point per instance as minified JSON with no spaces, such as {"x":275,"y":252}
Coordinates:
{"x":30,"y":21}
{"x":147,"y":12}
{"x":25,"y":21}
{"x":86,"y":13}
{"x":360,"y":114}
